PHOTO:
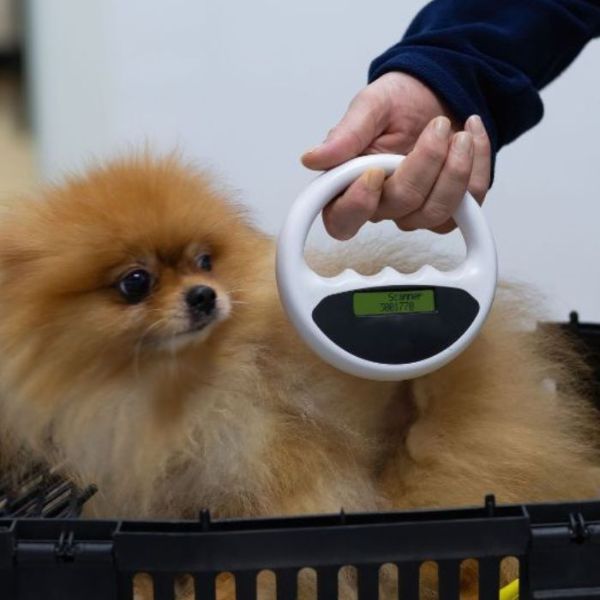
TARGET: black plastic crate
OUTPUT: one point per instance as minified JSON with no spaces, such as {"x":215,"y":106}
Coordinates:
{"x":558,"y":548}
{"x":56,"y":556}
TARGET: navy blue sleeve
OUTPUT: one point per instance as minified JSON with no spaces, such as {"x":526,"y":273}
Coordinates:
{"x":491,"y":57}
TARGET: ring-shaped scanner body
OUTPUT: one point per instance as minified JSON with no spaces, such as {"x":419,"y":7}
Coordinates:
{"x":389,"y":326}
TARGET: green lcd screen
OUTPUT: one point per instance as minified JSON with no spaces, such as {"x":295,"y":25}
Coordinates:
{"x":393,"y":302}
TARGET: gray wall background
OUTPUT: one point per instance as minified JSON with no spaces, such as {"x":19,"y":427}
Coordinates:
{"x":244,"y":88}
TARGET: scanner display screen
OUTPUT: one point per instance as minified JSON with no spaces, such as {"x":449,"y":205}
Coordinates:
{"x":394,"y":302}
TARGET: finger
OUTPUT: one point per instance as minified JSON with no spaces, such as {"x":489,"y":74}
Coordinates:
{"x":482,"y":158}
{"x":444,"y":228}
{"x":449,"y":188}
{"x":479,"y":182}
{"x":407,"y":189}
{"x":347,"y":214}
{"x":363,"y":122}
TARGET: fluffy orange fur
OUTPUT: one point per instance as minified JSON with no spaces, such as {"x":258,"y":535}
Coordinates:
{"x":241,"y":417}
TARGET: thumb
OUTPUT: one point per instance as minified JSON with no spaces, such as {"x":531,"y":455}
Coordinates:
{"x":363,"y":122}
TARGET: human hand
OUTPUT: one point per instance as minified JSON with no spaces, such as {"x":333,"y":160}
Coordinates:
{"x":400,"y":115}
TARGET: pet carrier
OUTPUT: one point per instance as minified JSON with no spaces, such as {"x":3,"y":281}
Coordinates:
{"x":48,"y":553}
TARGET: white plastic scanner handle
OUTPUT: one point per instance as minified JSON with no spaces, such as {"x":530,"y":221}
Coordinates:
{"x":301,"y":289}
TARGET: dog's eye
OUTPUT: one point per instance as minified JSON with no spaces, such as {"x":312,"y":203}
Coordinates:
{"x":204,"y":262}
{"x":135,"y":286}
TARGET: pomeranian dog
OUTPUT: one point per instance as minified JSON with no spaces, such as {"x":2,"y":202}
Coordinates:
{"x":143,"y":348}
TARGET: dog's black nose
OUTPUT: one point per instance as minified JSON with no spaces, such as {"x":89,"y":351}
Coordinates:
{"x":201,"y":299}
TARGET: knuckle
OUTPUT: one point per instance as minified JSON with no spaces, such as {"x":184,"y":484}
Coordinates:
{"x":353,"y":203}
{"x":408,"y":195}
{"x":434,"y":153}
{"x":330,"y":225}
{"x":483,"y":148}
{"x":458,"y":171}
{"x":445,"y":228}
{"x":434,"y":213}
{"x":336,"y":227}
{"x":368,"y":95}
{"x":404,"y":226}
{"x":356,"y":139}
{"x":371,"y":96}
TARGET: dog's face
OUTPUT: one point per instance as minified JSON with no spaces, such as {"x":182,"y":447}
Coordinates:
{"x":158,"y":297}
{"x":133,"y":260}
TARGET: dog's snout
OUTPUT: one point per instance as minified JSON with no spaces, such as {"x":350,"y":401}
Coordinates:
{"x":201,"y":299}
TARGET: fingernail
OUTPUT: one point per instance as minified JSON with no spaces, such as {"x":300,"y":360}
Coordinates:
{"x":475,"y":125}
{"x":462,"y":143}
{"x":313,"y":149}
{"x":441,"y":126}
{"x":373,"y":179}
